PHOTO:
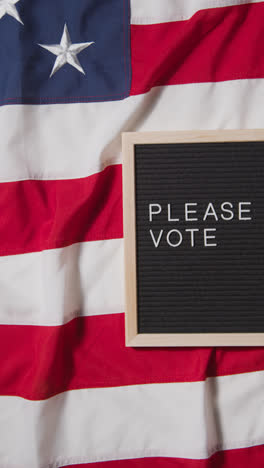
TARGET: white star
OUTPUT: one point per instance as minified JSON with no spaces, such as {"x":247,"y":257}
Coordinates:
{"x":7,"y":7}
{"x":66,"y":52}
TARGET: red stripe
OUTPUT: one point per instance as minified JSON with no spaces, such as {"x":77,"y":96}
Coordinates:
{"x":38,"y":215}
{"x":214,"y":45}
{"x":240,"y":458}
{"x":38,"y":362}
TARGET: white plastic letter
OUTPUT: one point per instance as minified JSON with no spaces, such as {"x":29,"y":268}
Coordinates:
{"x":226,"y":210}
{"x":192,"y":235}
{"x":206,"y":237}
{"x":156,"y":242}
{"x":169,"y":214}
{"x":243,"y":210}
{"x":187,"y":212}
{"x":210,"y":211}
{"x":151,"y":212}
{"x":180,"y":238}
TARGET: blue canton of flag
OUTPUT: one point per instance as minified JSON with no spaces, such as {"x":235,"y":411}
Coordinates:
{"x":64,"y":51}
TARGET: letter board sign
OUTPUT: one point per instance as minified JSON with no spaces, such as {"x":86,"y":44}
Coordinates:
{"x":194,"y":238}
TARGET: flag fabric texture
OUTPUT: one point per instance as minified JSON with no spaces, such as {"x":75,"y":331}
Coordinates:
{"x":75,"y":75}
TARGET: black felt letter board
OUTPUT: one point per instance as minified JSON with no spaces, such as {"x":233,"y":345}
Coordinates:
{"x":200,"y":237}
{"x":193,"y":205}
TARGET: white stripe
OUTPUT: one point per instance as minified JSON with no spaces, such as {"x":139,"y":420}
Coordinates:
{"x":188,"y":420}
{"x":77,"y":140}
{"x":54,"y":286}
{"x":161,"y":11}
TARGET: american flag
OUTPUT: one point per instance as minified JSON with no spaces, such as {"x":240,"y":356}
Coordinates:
{"x":75,"y":74}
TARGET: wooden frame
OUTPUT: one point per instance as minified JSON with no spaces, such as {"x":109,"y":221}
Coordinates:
{"x":133,"y":338}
